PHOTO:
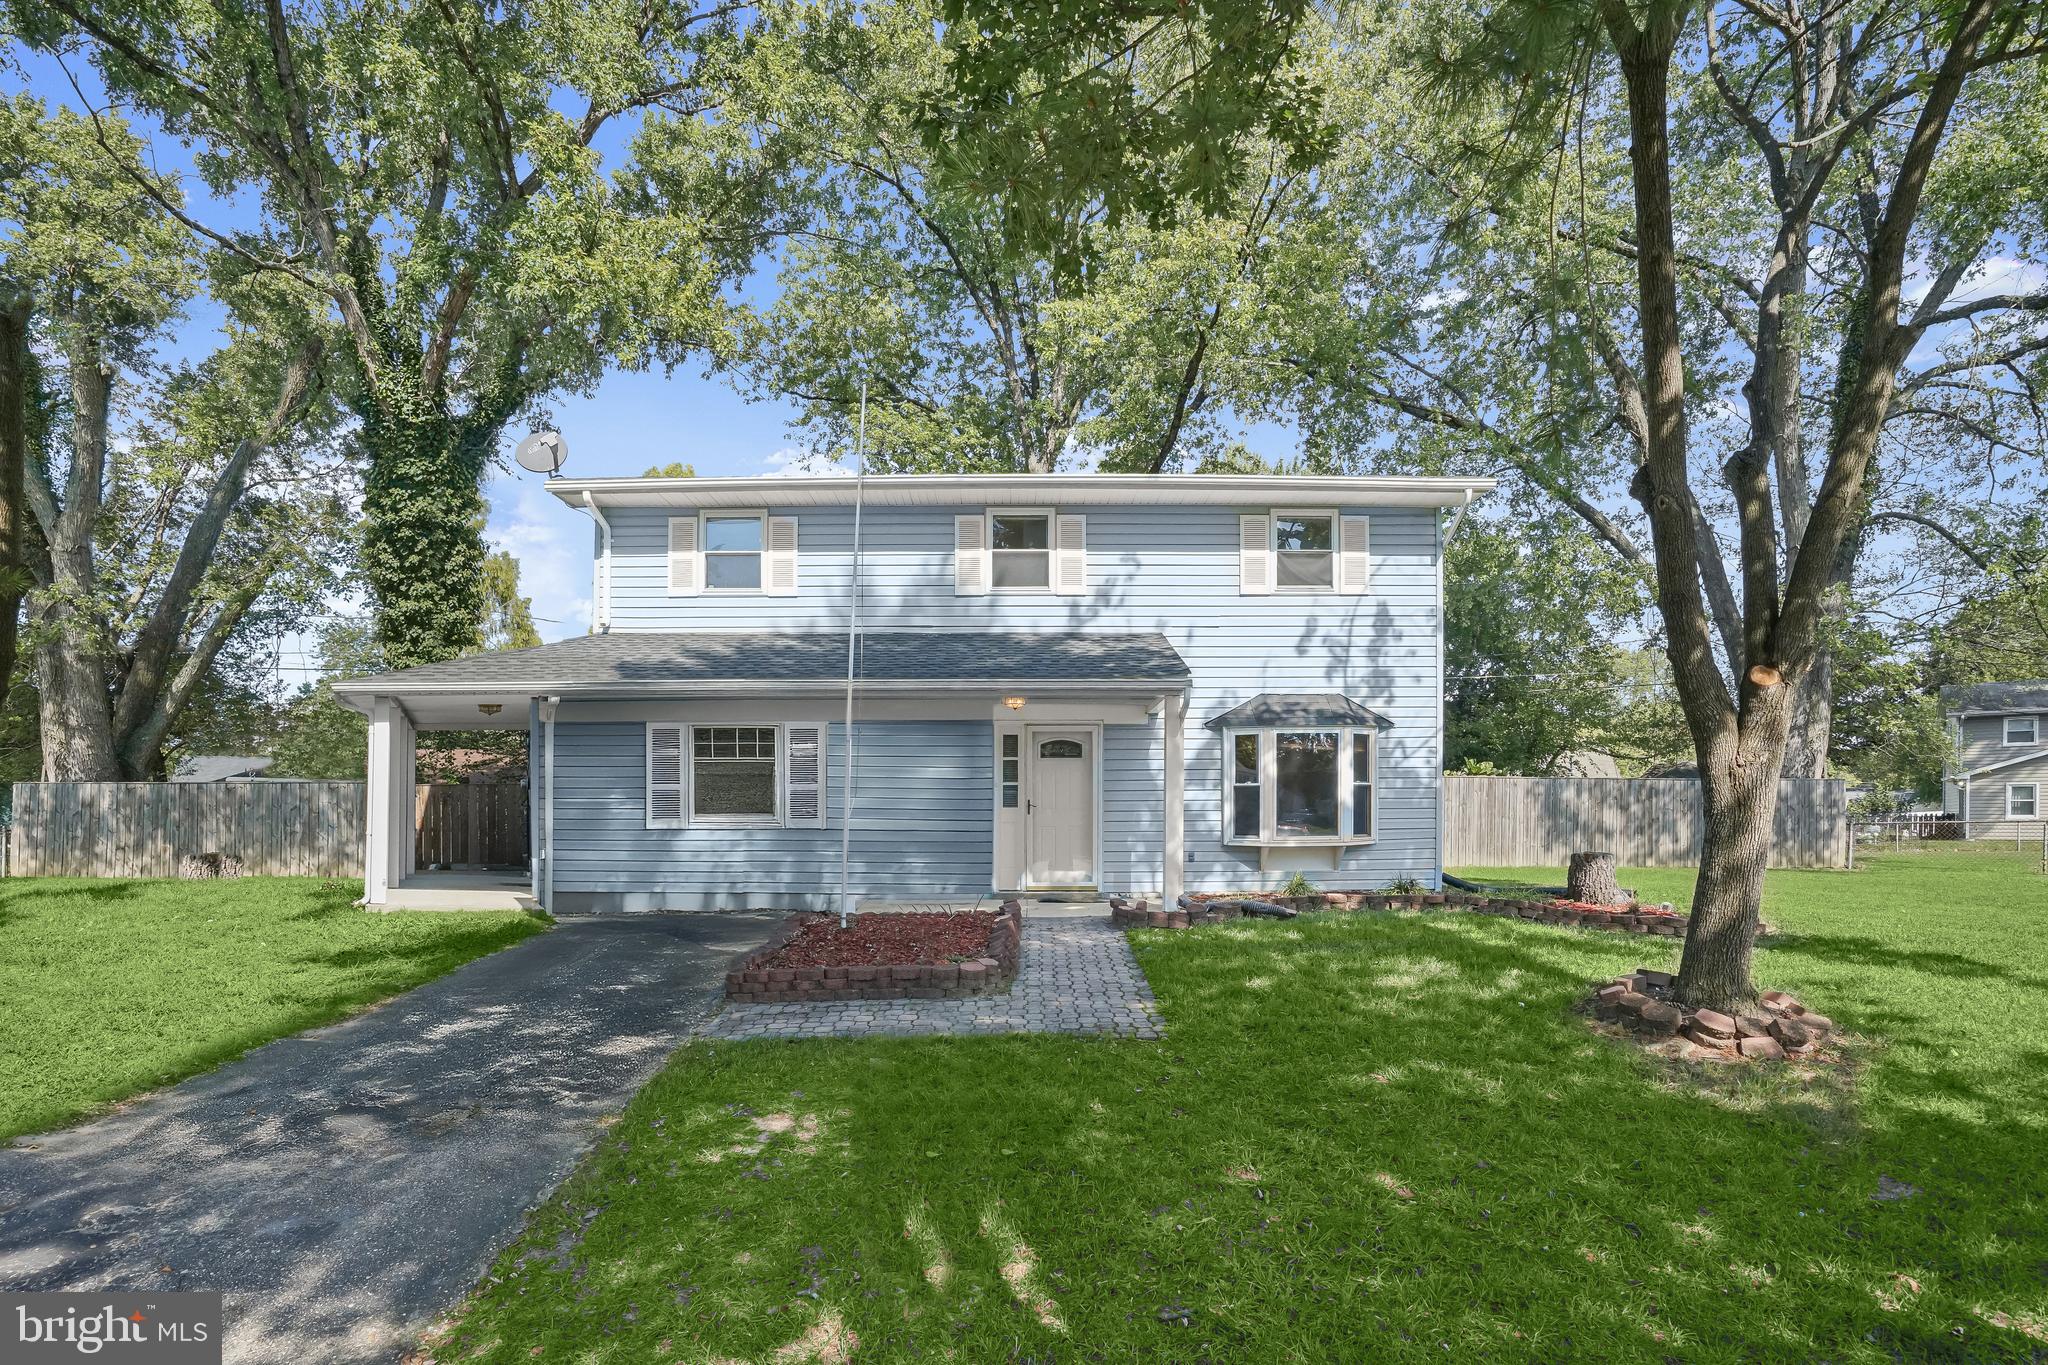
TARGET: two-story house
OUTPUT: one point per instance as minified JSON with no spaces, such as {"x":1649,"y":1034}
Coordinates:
{"x":1997,"y":770}
{"x":1081,"y":685}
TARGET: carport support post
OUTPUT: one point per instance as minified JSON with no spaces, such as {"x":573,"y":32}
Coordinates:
{"x":1175,"y":859}
{"x":387,"y":801}
{"x":377,"y":804}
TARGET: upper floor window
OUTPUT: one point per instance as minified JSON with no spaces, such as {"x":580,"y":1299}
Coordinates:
{"x":732,"y":552}
{"x":1020,"y":550}
{"x":1305,"y":786}
{"x":2022,"y":729}
{"x":1304,"y":551}
{"x":1305,"y":548}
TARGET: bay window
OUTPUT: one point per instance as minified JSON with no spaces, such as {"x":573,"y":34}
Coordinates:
{"x":1300,"y":786}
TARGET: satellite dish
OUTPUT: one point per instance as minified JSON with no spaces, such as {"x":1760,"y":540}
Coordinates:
{"x":544,"y":452}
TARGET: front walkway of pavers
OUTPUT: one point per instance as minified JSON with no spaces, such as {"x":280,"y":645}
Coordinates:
{"x":1077,"y":976}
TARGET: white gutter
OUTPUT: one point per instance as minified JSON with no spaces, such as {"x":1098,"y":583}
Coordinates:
{"x":1051,"y":688}
{"x":600,"y":571}
{"x":1078,"y":490}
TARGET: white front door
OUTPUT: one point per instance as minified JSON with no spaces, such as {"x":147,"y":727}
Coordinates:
{"x":1059,"y":817}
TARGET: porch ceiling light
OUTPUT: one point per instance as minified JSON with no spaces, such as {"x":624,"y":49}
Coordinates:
{"x":1014,"y":703}
{"x":490,"y":708}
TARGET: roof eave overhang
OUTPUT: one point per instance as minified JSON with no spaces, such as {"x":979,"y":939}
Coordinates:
{"x":358,"y":693}
{"x":902,"y":490}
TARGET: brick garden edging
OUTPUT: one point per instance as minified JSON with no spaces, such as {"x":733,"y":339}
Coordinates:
{"x":989,"y":974}
{"x":1211,"y":910}
{"x":1641,"y":1002}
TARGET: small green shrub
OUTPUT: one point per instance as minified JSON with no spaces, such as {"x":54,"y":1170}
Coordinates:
{"x":1298,"y":885}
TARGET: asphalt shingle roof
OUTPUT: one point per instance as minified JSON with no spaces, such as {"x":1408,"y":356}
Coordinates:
{"x":1320,"y":709}
{"x":2030,"y":695}
{"x":656,"y":658}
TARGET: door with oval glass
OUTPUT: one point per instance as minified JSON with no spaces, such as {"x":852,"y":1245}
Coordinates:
{"x":1059,"y":817}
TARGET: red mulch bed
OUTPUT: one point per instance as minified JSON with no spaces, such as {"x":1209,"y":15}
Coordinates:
{"x":895,"y":940}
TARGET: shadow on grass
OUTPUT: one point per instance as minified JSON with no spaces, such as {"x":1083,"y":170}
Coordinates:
{"x":1843,"y":949}
{"x":1365,"y":1136}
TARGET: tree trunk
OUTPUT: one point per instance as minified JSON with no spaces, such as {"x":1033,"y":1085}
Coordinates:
{"x":1813,"y":720}
{"x":1741,"y":798}
{"x":423,"y":517}
{"x":71,"y":672}
{"x":1590,"y":880}
{"x":16,"y":383}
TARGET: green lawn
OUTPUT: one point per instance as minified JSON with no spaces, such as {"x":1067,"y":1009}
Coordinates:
{"x":1367,"y":1137}
{"x":109,"y":988}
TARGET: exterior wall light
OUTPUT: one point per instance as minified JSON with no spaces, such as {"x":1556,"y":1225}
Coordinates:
{"x":1014,"y":703}
{"x":489,"y":708}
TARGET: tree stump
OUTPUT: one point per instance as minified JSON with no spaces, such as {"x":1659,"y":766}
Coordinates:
{"x":1590,"y":879}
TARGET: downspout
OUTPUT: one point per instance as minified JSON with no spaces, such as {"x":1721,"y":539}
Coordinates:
{"x":601,"y":572}
{"x":547,"y":810}
{"x":1444,"y":536}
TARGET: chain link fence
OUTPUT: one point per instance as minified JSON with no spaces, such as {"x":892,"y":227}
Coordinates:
{"x":2019,"y":842}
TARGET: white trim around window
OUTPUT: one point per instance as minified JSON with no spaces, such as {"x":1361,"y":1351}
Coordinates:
{"x":1282,"y":556}
{"x":679,"y":754}
{"x":998,"y":555}
{"x":713,"y":557}
{"x":2021,"y":730}
{"x":2023,"y":801}
{"x":1252,"y":782}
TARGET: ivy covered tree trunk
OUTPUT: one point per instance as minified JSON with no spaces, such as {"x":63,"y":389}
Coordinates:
{"x":423,"y":515}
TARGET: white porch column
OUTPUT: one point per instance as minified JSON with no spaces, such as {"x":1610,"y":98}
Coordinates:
{"x":377,"y":805}
{"x":1174,"y":854}
{"x":387,"y":801}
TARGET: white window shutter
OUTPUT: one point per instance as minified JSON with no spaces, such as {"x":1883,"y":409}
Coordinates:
{"x":803,"y":770}
{"x":1354,"y":555}
{"x":685,"y":560}
{"x":1254,"y":554}
{"x":970,"y":556}
{"x":665,"y":806}
{"x":778,"y":571}
{"x":1070,"y":555}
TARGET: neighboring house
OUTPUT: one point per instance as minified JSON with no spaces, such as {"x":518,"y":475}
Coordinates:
{"x":1082,"y":684}
{"x":1996,"y":778}
{"x":219,"y":768}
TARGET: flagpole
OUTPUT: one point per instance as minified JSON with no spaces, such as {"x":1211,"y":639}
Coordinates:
{"x":860,"y":474}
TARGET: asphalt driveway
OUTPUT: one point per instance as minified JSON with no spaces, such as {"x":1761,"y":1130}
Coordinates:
{"x":347,"y":1185}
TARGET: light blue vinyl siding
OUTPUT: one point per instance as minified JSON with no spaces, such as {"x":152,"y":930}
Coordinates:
{"x":1151,"y":568}
{"x":921,"y":828}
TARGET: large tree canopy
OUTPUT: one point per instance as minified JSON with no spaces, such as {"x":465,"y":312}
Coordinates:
{"x":177,"y":508}
{"x":430,"y":173}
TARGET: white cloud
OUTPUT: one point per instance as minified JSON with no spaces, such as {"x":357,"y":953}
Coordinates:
{"x":796,"y":462}
{"x":552,"y":543}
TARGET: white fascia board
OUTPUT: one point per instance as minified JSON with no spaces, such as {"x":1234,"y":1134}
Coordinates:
{"x":358,"y":697}
{"x":1074,"y":490}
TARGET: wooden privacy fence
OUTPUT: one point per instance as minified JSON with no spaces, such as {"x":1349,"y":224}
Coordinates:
{"x":460,"y":824}
{"x":1644,"y":822}
{"x":311,"y":829}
